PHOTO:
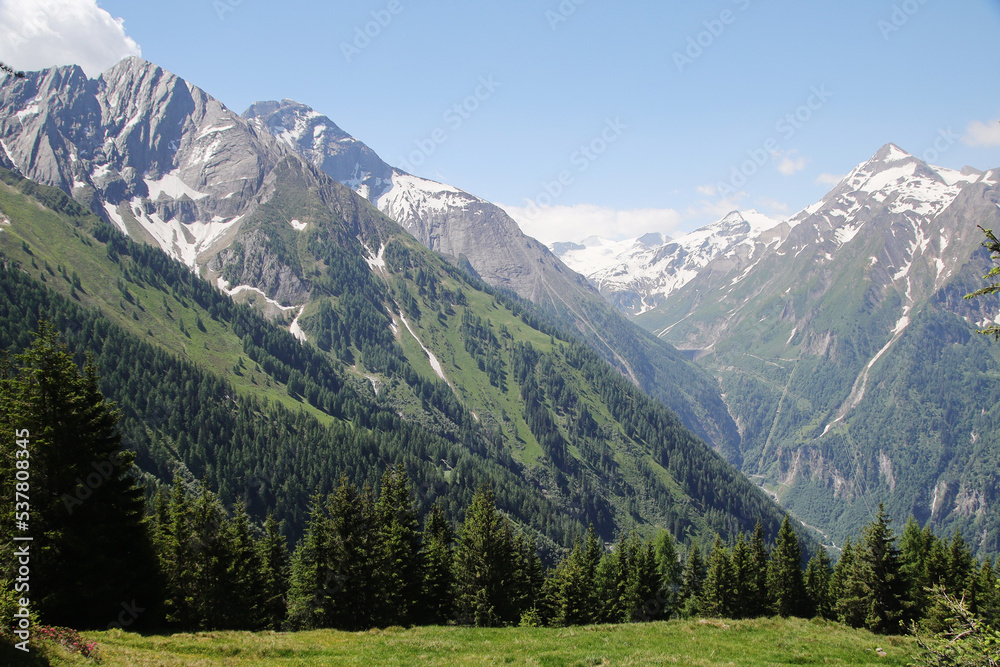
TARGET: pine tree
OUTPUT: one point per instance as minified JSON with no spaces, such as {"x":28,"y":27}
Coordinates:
{"x":885,"y":589}
{"x":97,"y":550}
{"x":437,"y":557}
{"x":744,"y":603}
{"x":272,"y":553}
{"x":784,"y":572}
{"x":399,"y":570}
{"x":719,"y":590}
{"x":760,"y":604}
{"x":669,"y":569}
{"x":817,"y":583}
{"x":692,"y":580}
{"x":485,"y":565}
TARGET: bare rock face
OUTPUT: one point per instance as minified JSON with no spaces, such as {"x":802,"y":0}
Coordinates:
{"x":324,"y":145}
{"x":161,"y":159}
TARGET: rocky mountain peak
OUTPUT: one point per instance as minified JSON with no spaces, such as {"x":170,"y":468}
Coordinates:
{"x":324,"y":145}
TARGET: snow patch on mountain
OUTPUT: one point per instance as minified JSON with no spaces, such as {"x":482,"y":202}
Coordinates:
{"x":295,"y":329}
{"x":172,"y":186}
{"x":183,"y":241}
{"x":652,"y":267}
{"x":412,"y":197}
{"x":376,"y":262}
{"x":433,"y":360}
{"x":223,"y":286}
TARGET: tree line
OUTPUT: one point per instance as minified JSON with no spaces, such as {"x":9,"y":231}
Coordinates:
{"x":369,"y":559}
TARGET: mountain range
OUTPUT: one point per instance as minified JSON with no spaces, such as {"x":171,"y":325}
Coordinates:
{"x":829,"y":355}
{"x":841,"y":340}
{"x":329,"y":314}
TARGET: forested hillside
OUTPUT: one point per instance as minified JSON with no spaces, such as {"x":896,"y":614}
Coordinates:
{"x":849,"y":357}
{"x":415,"y":363}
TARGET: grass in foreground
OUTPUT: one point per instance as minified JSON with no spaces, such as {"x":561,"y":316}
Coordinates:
{"x":706,"y":642}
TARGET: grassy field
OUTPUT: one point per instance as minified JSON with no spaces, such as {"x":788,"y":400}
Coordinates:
{"x":701,"y":642}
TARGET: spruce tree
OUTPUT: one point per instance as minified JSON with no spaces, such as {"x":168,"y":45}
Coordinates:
{"x":311,"y":578}
{"x":784,"y":573}
{"x":242,"y":575}
{"x":175,"y":547}
{"x":272,"y":554}
{"x":987,"y":594}
{"x":669,"y":569}
{"x":529,"y":576}
{"x":817,"y":584}
{"x":437,"y":557}
{"x":882,"y":579}
{"x":352,"y":593}
{"x":92,"y":548}
{"x":914,"y":550}
{"x":399,"y":570}
{"x":847,"y":588}
{"x":569,"y":590}
{"x":961,"y":569}
{"x":719,"y":590}
{"x":760,"y":604}
{"x":211,"y":559}
{"x":485,"y":565}
{"x":627,"y":597}
{"x":744,"y":603}
{"x":692,"y":581}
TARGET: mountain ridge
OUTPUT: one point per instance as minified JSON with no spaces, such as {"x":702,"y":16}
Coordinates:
{"x":816,"y":341}
{"x":432,"y":344}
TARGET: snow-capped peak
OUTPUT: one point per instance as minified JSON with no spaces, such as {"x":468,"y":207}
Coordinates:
{"x":892,"y":175}
{"x":640,"y":273}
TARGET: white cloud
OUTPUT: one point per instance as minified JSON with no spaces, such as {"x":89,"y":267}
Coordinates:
{"x":706,"y":190}
{"x":549,"y":224}
{"x":791,"y":162}
{"x":772,"y":206}
{"x":828,"y":179}
{"x":35,"y":34}
{"x":979,"y":133}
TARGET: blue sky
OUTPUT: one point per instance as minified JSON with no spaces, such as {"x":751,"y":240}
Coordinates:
{"x":586,"y":116}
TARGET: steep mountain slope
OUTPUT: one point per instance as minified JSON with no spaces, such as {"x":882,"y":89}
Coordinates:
{"x":479,"y":236}
{"x":639,"y":274}
{"x":847,"y":354}
{"x":170,"y":165}
{"x":405,"y":358}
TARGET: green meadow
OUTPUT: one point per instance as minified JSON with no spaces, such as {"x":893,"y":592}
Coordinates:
{"x":766,"y":641}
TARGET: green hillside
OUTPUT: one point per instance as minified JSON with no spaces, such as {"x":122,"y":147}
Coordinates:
{"x":854,"y":384}
{"x":210,"y":389}
{"x":696,"y":642}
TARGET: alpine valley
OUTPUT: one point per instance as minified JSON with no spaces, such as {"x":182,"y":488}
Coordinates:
{"x":272,"y":307}
{"x":842,"y":342}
